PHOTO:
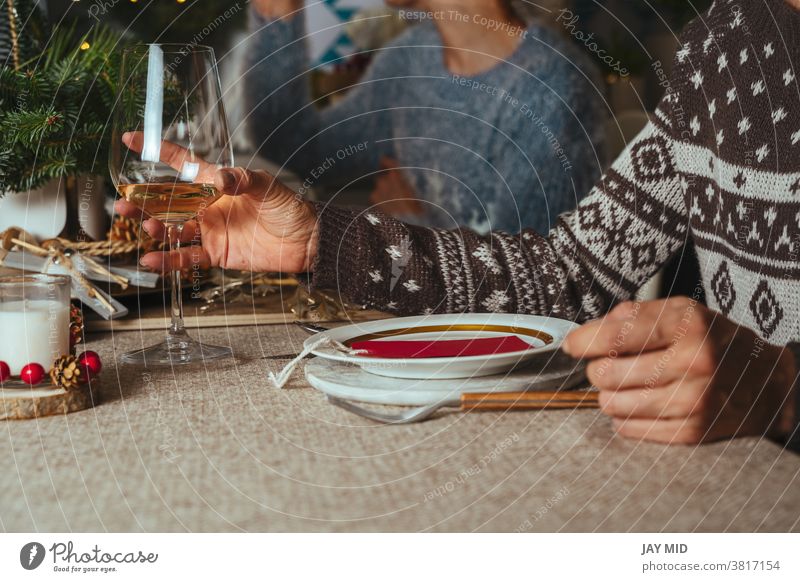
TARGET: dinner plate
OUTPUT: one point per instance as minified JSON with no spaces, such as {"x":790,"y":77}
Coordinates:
{"x":544,"y":334}
{"x":348,"y":381}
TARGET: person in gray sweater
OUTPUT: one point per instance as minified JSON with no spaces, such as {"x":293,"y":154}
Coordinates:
{"x":468,"y":118}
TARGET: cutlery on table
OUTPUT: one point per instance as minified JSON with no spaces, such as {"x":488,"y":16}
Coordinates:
{"x":476,"y":402}
{"x":310,"y":327}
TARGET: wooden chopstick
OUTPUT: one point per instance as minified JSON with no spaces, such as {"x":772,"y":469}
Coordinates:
{"x":535,"y":400}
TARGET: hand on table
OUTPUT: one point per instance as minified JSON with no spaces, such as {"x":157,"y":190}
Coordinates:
{"x":257,"y":225}
{"x":393,"y":194}
{"x":674,"y":371}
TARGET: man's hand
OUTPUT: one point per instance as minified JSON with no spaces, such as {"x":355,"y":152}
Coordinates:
{"x":393,"y":194}
{"x":257,"y":225}
{"x":276,"y":8}
{"x":674,"y":371}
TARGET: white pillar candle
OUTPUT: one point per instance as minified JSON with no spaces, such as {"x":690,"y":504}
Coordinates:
{"x":153,"y":105}
{"x":33,"y":331}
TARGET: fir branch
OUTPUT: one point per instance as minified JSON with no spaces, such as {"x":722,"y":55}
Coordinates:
{"x":33,"y":126}
{"x":55,"y":110}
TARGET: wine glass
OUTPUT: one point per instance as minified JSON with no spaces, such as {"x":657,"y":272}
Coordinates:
{"x":169,"y":111}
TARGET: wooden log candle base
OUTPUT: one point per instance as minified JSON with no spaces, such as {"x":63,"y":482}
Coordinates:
{"x":35,"y":402}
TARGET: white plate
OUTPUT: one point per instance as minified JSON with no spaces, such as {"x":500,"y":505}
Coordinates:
{"x":545,"y":334}
{"x":352,"y":383}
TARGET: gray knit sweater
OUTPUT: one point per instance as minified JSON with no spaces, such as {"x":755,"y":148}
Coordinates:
{"x":719,"y":163}
{"x":508,"y":149}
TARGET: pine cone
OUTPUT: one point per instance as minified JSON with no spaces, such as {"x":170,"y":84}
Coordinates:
{"x":66,"y":373}
{"x":75,"y":325}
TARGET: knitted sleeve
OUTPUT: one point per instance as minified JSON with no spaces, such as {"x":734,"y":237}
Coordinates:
{"x":327,"y":145}
{"x":629,"y":225}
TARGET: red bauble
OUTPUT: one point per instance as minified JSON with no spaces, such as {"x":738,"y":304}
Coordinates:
{"x":32,"y":374}
{"x":5,"y":372}
{"x":90,"y":362}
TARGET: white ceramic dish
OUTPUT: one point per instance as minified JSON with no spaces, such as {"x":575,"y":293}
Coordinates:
{"x":352,"y":383}
{"x":545,"y":335}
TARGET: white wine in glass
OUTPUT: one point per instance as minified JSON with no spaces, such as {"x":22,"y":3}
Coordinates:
{"x":169,"y":201}
{"x":169,"y":136}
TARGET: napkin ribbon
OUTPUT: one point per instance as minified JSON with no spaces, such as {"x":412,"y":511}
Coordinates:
{"x":280,"y":379}
{"x":55,"y":252}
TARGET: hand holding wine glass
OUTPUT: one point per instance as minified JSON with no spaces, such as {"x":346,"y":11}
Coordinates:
{"x":170,"y":136}
{"x":258,"y":224}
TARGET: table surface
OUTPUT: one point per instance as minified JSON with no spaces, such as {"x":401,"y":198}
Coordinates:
{"x":218,"y":449}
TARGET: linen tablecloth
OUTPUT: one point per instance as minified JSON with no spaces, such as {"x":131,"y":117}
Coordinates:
{"x":218,"y":449}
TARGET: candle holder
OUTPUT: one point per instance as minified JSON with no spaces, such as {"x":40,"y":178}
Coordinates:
{"x":39,"y":376}
{"x":34,"y":326}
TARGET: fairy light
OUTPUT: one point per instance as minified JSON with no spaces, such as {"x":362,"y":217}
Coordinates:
{"x":85,"y":46}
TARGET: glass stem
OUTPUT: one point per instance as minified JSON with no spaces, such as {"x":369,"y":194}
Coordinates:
{"x":176,"y":311}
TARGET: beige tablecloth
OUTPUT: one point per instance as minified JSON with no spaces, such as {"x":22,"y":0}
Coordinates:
{"x":218,"y":449}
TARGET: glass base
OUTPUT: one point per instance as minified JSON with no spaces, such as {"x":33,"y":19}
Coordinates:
{"x":176,"y":350}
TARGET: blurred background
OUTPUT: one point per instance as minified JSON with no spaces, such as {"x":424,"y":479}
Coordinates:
{"x":635,"y":33}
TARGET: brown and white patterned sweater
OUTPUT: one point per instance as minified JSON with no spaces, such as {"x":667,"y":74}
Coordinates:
{"x":719,"y":163}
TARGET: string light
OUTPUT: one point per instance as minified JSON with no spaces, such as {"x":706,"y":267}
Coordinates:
{"x":85,"y":46}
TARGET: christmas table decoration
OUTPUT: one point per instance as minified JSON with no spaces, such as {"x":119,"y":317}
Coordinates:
{"x":66,"y":373}
{"x":126,"y":239}
{"x":32,"y":374}
{"x":54,"y":109}
{"x":320,"y":306}
{"x":258,"y":291}
{"x":55,"y":103}
{"x":23,"y":31}
{"x":90,"y":363}
{"x":75,"y":326}
{"x":44,"y":400}
{"x":34,"y":323}
{"x":231,"y":287}
{"x":20,"y":250}
{"x":39,"y":328}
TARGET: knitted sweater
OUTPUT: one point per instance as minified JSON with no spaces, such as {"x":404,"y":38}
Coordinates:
{"x":720,"y":163}
{"x":512,"y":147}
